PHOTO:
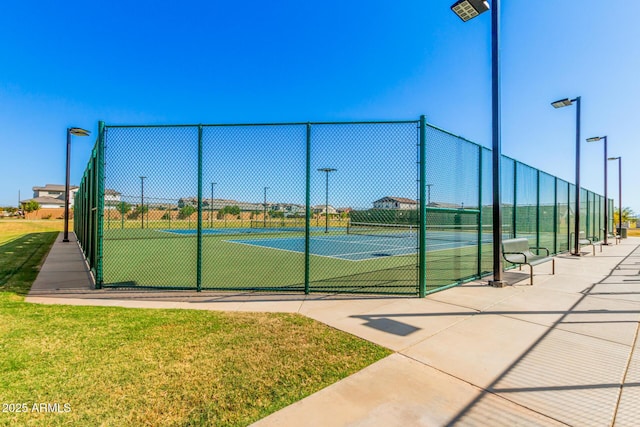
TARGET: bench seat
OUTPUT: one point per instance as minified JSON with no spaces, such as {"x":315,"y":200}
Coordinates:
{"x":517,"y":251}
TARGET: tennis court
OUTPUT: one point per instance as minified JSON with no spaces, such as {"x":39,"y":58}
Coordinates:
{"x":359,"y":247}
{"x":312,"y":207}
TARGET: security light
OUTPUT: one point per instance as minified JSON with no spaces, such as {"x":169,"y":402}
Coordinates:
{"x":562,"y":103}
{"x":79,"y":132}
{"x":469,"y":9}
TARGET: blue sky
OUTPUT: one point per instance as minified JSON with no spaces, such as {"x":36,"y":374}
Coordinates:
{"x":74,"y":63}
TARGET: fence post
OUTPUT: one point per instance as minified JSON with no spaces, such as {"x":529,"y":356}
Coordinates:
{"x":100,"y":196}
{"x":515,"y":199}
{"x":199,"y":244}
{"x":480,"y":221}
{"x":555,"y":215}
{"x":422,"y":242}
{"x":538,"y":207}
{"x":307,"y":209}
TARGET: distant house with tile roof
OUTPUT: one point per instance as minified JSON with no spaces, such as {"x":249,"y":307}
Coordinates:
{"x":395,"y":203}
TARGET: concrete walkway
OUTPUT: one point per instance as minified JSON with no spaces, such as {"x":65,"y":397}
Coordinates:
{"x":562,"y":352}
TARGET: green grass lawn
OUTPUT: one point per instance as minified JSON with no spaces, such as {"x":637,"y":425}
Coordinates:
{"x":116,"y":366}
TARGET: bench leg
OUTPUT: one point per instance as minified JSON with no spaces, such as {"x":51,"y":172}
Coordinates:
{"x":531,"y":274}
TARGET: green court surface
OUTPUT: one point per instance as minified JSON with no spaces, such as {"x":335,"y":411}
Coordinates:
{"x":241,"y":260}
{"x":159,"y":259}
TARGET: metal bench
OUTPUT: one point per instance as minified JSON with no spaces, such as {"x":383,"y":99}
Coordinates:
{"x":517,"y":251}
{"x":583,"y":240}
{"x":612,"y":235}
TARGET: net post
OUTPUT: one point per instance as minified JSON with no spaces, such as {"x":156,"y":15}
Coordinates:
{"x":199,"y":244}
{"x":307,"y":214}
{"x":100,"y":197}
{"x":422,"y":237}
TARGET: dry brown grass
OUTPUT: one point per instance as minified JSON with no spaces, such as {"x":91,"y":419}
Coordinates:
{"x":11,"y":228}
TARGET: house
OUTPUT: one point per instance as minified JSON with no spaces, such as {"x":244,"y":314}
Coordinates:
{"x":217,"y":204}
{"x":398,"y":203}
{"x":289,"y":209}
{"x":111,"y":198}
{"x":51,"y":196}
{"x":322,"y":209}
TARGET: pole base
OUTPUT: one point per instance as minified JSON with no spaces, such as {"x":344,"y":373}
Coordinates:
{"x":65,"y":240}
{"x":576,"y":254}
{"x":498,"y":283}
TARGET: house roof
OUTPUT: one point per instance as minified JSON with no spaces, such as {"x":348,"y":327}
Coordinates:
{"x":397,"y":199}
{"x":45,"y":201}
{"x":54,"y":187}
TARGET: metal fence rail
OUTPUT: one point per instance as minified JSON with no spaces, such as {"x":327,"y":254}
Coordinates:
{"x":397,"y":207}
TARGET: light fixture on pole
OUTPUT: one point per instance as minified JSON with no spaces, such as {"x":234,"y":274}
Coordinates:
{"x":466,"y":10}
{"x":76,"y":132}
{"x":326,"y":199}
{"x":142,"y":178}
{"x":469,"y":9}
{"x":264,"y":216}
{"x":606,"y":210}
{"x":576,"y":232}
{"x":619,"y":159}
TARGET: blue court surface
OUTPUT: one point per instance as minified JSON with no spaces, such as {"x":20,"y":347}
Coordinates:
{"x":353,"y":247}
{"x":347,"y":247}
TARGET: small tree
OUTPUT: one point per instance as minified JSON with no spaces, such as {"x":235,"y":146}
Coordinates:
{"x":186,"y":211}
{"x":31,"y":206}
{"x":627,"y":214}
{"x":231,"y":210}
{"x":139,"y":210}
{"x":123,"y":207}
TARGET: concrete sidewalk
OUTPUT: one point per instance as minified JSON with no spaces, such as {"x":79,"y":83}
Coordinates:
{"x":562,"y":352}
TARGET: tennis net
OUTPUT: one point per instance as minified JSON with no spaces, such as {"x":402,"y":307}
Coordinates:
{"x":454,"y":233}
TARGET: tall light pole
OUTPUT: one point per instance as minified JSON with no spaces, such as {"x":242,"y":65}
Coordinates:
{"x":211,"y":210}
{"x":76,"y":132}
{"x":326,"y":197}
{"x":619,"y":159}
{"x":142,"y":198}
{"x":564,"y":103}
{"x":466,"y":10}
{"x":606,"y":210}
{"x":429,"y":194}
{"x":264,"y":216}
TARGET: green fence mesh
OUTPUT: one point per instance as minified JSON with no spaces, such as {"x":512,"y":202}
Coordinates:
{"x":309,"y":207}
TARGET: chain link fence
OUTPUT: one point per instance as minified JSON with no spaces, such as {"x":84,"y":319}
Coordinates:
{"x":372,"y":207}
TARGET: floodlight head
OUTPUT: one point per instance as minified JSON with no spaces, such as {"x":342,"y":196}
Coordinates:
{"x":469,"y":9}
{"x":595,"y":138}
{"x":79,"y":132}
{"x":562,"y":103}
